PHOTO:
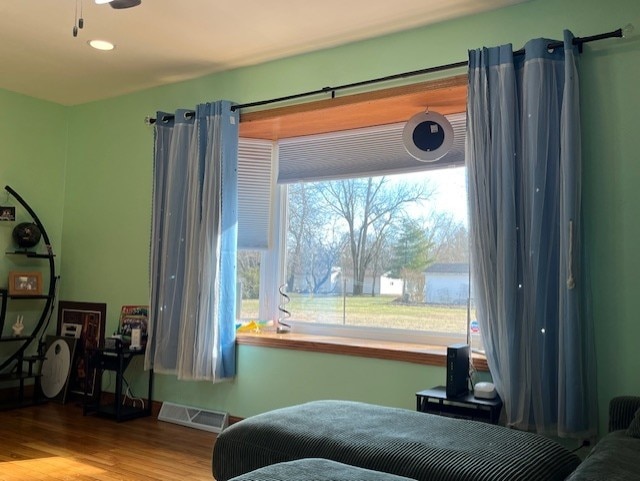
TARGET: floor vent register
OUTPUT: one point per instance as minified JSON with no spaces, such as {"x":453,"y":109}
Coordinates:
{"x":193,"y":417}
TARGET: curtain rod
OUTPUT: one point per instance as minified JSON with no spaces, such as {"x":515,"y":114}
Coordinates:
{"x":577,"y":41}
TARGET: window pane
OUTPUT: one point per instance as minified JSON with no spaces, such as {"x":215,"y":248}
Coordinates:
{"x":389,"y":251}
{"x":248,"y":292}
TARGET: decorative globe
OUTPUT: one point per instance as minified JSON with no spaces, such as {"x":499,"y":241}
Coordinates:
{"x":26,"y":234}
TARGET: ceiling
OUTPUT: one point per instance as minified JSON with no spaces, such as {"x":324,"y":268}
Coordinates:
{"x":165,"y":41}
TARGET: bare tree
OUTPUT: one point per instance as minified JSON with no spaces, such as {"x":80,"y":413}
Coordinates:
{"x":450,"y":239}
{"x":369,"y":206}
{"x":300,"y":214}
{"x":249,"y":273}
{"x":319,"y":261}
{"x":381,"y":259}
{"x":314,"y":244}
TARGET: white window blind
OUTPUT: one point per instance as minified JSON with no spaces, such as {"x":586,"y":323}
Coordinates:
{"x":370,"y":151}
{"x":254,"y":193}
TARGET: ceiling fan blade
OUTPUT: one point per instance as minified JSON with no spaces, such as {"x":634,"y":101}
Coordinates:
{"x":118,"y":4}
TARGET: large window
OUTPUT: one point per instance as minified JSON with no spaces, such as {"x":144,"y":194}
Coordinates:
{"x":387,"y":251}
{"x":373,"y":241}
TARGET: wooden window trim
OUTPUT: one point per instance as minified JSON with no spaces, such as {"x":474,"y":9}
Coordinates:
{"x":377,"y":107}
{"x":394,"y":351}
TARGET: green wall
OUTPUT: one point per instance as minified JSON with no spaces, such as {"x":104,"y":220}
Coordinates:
{"x":108,"y":184}
{"x":33,"y":151}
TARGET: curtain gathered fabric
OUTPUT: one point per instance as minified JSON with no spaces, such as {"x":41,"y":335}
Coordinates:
{"x":193,"y":244}
{"x":528,"y":253}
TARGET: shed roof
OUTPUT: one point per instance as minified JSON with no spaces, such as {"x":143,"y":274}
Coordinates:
{"x":448,"y":268}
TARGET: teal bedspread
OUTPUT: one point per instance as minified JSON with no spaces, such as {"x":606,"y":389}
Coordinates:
{"x":313,"y":469}
{"x":396,"y":441}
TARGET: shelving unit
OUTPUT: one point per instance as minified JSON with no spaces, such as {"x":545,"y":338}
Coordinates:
{"x":19,"y":367}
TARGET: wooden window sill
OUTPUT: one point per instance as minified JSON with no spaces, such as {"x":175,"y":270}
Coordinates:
{"x":395,"y":351}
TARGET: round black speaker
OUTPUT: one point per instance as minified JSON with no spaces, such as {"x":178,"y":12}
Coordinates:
{"x":428,"y":136}
{"x":26,"y":234}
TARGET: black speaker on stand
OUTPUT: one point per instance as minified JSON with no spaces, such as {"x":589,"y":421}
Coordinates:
{"x":457,"y":370}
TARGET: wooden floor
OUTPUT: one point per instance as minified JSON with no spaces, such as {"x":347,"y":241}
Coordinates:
{"x":54,"y":442}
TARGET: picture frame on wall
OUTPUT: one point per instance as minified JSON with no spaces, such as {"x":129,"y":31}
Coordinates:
{"x":92,"y":319}
{"x":25,"y":283}
{"x":7,"y":213}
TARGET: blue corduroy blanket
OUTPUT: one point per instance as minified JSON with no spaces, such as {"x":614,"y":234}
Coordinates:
{"x":397,"y":441}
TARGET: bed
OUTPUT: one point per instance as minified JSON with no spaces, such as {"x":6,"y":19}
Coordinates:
{"x":389,"y":440}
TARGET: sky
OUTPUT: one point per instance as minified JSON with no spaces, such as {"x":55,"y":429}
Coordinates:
{"x":450,"y":191}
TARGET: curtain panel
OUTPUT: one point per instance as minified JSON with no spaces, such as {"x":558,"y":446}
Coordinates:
{"x":531,"y":283}
{"x":193,"y":244}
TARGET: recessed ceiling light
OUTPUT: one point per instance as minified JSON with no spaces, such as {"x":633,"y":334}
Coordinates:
{"x":100,"y":2}
{"x":101,"y":45}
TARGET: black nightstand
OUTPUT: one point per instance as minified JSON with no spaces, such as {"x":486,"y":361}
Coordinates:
{"x":435,"y":401}
{"x":115,"y":360}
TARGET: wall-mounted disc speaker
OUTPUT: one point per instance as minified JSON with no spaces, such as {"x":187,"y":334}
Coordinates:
{"x":427,"y":136}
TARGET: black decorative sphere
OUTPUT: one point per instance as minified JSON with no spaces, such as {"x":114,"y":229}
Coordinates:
{"x":26,"y":234}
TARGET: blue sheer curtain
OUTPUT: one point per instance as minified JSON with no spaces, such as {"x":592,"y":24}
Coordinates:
{"x":531,"y":284}
{"x":193,"y":244}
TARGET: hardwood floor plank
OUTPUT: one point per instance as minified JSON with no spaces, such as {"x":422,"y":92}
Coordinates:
{"x":54,"y":442}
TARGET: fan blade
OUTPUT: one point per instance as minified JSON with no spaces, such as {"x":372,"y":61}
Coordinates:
{"x":119,"y":4}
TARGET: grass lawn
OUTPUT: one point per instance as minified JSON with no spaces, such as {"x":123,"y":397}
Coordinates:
{"x":379,"y":311}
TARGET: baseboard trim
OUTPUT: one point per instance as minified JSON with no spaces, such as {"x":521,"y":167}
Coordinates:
{"x":11,"y":393}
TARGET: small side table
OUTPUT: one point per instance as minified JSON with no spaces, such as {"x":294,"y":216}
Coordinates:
{"x":115,"y":360}
{"x":435,"y":401}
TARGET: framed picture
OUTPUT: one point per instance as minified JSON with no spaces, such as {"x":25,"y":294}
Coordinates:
{"x":134,"y":317}
{"x":7,"y":213}
{"x":92,"y":318}
{"x":25,"y":283}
